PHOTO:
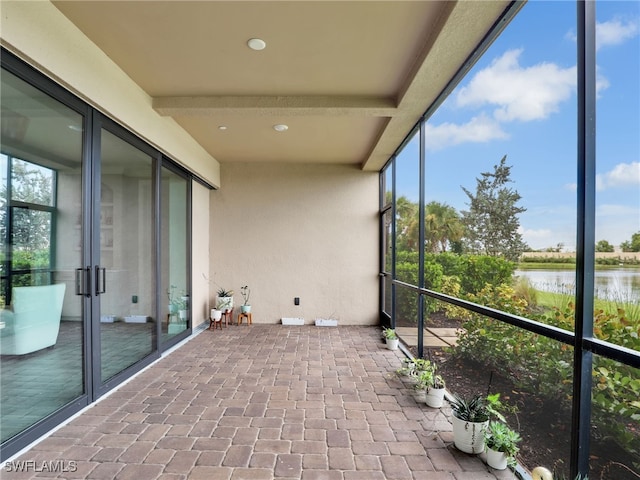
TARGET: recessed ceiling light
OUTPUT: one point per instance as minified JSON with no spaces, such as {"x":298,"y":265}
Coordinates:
{"x":222,"y":127}
{"x":256,"y":44}
{"x":280,"y":127}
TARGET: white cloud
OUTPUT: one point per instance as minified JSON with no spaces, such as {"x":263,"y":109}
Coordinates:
{"x":615,"y":231}
{"x":543,"y":238}
{"x":602,"y":83}
{"x":478,"y":130}
{"x":535,"y":235}
{"x":622,"y":175}
{"x":612,"y":32}
{"x":615,"y":32}
{"x":611,"y":210}
{"x":520,"y":93}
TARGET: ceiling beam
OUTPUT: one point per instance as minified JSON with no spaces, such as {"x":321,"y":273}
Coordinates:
{"x":204,"y":106}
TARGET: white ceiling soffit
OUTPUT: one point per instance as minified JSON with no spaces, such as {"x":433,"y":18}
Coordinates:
{"x":348,"y":78}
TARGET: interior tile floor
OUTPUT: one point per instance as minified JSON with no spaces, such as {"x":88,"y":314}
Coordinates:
{"x":262,"y":402}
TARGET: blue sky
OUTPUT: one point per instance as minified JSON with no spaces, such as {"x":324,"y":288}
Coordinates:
{"x":519,"y":100}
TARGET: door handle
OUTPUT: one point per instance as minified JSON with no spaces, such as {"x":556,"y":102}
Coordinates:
{"x":83,"y":281}
{"x":101,"y":280}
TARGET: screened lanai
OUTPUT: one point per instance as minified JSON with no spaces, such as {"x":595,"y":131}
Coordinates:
{"x":327,"y":155}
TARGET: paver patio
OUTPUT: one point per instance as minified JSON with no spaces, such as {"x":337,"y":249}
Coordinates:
{"x":261,"y":402}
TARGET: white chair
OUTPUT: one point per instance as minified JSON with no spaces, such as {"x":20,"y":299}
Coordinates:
{"x":33,"y":322}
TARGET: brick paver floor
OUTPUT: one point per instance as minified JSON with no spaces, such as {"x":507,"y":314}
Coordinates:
{"x":260,"y":402}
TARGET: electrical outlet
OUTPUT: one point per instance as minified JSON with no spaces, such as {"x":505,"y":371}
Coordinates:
{"x":296,"y":301}
{"x":134,"y":299}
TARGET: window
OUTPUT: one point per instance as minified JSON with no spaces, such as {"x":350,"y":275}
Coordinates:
{"x":27,"y":220}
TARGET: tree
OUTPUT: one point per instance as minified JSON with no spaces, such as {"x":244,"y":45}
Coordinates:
{"x":604,"y":246}
{"x":556,"y":249}
{"x":30,"y":242}
{"x":632,"y":245}
{"x":443,"y":226}
{"x":491,"y":223}
{"x":406,"y":224}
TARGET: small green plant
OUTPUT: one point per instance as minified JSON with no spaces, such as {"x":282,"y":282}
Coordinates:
{"x":174,"y":303}
{"x":225,"y":293}
{"x":438,"y":382}
{"x":422,"y":364}
{"x":246,"y":293}
{"x":501,"y":438}
{"x":425,"y":379}
{"x":408,"y":369}
{"x":389,"y":333}
{"x":478,"y":408}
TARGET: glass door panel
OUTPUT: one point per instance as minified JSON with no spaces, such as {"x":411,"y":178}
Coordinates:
{"x":174,"y":245}
{"x":41,"y":318}
{"x":125,"y":279}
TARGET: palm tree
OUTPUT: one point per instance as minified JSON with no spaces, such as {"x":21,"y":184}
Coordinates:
{"x":406,"y":223}
{"x":442,"y":226}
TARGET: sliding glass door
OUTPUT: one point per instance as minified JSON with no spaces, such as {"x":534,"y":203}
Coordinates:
{"x":174,"y":241}
{"x":41,"y":245}
{"x":94,"y":255}
{"x":125,"y":268}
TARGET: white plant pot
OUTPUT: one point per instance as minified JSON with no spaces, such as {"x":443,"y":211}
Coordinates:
{"x":245,"y":308}
{"x":419,"y":395}
{"x":224,"y":303}
{"x":497,"y":460}
{"x":216,"y":314}
{"x":468,"y":437}
{"x":392,"y":343}
{"x":410,"y":379}
{"x":434,"y":397}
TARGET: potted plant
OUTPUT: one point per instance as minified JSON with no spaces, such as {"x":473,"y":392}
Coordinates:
{"x":391,"y":338}
{"x":408,"y":368}
{"x":470,"y":420}
{"x":246,"y":293}
{"x":435,"y":391}
{"x":224,"y":301}
{"x":502,"y":444}
{"x":173,"y":303}
{"x":183,"y":306}
{"x":424,"y":379}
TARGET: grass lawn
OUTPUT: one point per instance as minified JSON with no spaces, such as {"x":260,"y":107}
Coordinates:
{"x":560,"y":300}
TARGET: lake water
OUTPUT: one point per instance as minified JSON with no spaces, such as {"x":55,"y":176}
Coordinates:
{"x":619,"y":284}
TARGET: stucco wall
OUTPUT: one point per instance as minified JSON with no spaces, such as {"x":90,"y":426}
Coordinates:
{"x":308,"y":231}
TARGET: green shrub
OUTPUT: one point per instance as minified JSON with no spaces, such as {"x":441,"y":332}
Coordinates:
{"x":407,"y":300}
{"x":451,"y":287}
{"x":479,"y":270}
{"x":544,"y":367}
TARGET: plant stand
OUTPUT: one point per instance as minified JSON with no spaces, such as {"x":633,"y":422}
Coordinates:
{"x":215,"y":319}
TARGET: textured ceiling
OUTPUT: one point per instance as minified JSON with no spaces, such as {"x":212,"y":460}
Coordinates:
{"x":349,"y":78}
